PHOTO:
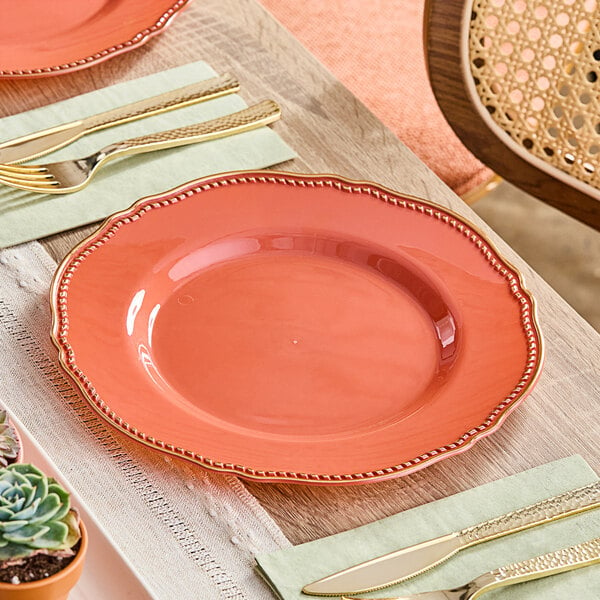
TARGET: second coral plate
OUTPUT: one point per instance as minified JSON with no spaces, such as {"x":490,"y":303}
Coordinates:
{"x":40,"y":38}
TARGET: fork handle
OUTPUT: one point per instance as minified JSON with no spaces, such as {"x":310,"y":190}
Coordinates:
{"x":567,"y":559}
{"x":253,"y":117}
{"x":185,"y":96}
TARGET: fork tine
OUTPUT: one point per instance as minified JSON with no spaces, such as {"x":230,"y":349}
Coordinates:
{"x":41,"y":176}
{"x":35,"y":179}
{"x":22,"y":169}
{"x":29,"y":188}
{"x":31,"y":185}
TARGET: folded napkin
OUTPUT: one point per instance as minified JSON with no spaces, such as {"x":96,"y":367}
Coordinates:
{"x":289,"y":570}
{"x":26,"y":216}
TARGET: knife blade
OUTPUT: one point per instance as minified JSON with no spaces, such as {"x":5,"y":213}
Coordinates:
{"x":400,"y":565}
{"x":42,"y":142}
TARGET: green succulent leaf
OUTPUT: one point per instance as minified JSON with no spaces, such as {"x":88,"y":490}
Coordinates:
{"x":14,"y":551}
{"x":54,"y":538}
{"x":26,"y":469}
{"x":29,"y":493}
{"x":71,"y":520}
{"x":26,"y":534}
{"x":54,"y":488}
{"x":8,"y":526}
{"x":46,"y":510}
{"x":40,"y":485}
{"x":15,"y":503}
{"x":17,"y":478}
{"x":29,"y":511}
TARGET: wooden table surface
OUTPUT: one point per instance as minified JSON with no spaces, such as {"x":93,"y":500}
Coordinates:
{"x":334,"y":133}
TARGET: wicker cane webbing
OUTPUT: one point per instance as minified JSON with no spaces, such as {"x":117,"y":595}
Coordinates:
{"x":535,"y":65}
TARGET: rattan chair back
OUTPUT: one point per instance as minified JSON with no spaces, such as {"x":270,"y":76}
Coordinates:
{"x":518,"y":82}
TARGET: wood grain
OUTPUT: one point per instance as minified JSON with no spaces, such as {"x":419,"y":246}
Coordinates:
{"x":442,"y":37}
{"x":333,"y":132}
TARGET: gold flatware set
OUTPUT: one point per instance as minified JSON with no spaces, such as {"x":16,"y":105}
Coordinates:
{"x":395,"y":567}
{"x":553,"y":563}
{"x":72,"y":175}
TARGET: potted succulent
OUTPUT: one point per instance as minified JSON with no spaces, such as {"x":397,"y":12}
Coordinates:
{"x":42,"y":541}
{"x":10,"y":443}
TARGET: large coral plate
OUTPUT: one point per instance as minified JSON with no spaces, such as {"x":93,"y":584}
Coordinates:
{"x":296,"y":327}
{"x":40,"y":38}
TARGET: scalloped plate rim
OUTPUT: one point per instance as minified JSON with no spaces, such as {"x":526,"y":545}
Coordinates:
{"x":390,"y":472}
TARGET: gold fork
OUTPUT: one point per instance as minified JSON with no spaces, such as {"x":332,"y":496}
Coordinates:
{"x":72,"y":175}
{"x":567,"y":559}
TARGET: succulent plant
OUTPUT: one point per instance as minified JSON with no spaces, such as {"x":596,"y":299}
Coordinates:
{"x":9,"y":443}
{"x":35,"y":515}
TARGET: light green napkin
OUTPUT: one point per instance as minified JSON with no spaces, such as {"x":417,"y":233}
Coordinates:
{"x":26,"y":216}
{"x":290,"y":569}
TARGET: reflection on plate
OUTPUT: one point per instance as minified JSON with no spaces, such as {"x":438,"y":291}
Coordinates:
{"x":296,"y":327}
{"x":39,"y":38}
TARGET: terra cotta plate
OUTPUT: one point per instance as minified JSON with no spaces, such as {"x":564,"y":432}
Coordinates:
{"x":295,"y":327}
{"x":40,"y":38}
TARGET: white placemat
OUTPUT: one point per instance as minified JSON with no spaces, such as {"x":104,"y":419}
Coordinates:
{"x":188,"y":533}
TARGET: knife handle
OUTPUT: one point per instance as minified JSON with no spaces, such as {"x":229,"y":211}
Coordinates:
{"x":567,"y":559}
{"x":185,"y":96}
{"x":552,"y":509}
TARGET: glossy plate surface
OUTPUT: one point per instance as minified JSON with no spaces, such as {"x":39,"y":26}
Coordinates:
{"x":40,"y":38}
{"x":296,"y":327}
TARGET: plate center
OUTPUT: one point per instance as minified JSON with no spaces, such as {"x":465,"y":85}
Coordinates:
{"x":299,"y":344}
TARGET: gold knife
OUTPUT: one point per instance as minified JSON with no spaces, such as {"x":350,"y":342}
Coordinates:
{"x":45,"y":141}
{"x":567,"y":559}
{"x":398,"y":566}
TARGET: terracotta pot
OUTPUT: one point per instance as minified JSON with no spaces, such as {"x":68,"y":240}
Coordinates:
{"x":55,"y":587}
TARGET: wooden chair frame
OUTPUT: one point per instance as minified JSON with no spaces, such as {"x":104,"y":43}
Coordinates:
{"x":445,"y":63}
